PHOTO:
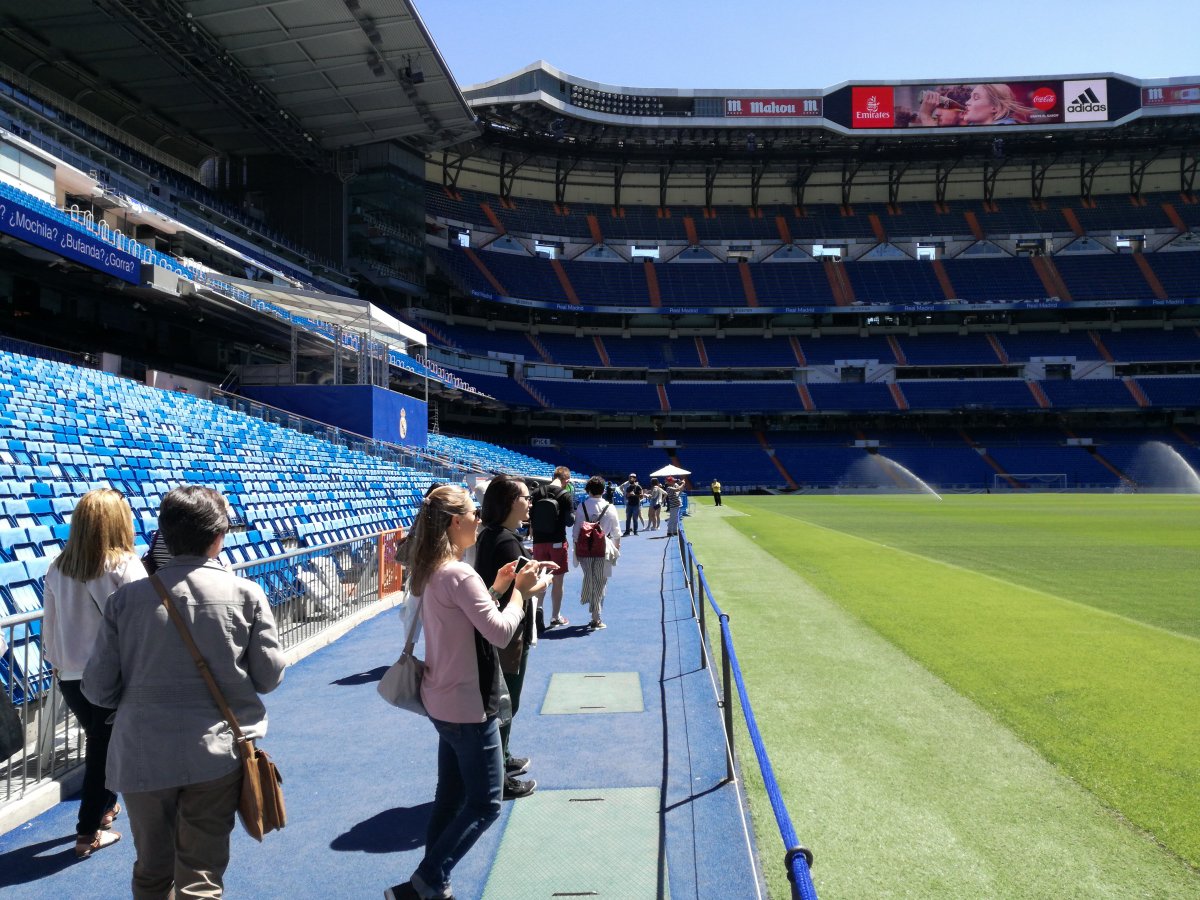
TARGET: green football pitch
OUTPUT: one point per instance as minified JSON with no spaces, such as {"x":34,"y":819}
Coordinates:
{"x":982,"y":696}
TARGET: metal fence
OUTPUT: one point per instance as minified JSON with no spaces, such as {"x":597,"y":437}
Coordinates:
{"x":53,"y":739}
{"x":797,"y":859}
{"x":309,"y":590}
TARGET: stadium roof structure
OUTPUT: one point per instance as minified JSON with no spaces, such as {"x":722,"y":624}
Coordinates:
{"x":543,"y":119}
{"x":207,"y":77}
{"x":347,"y":313}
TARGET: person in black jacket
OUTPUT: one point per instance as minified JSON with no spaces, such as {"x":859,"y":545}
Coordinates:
{"x":632,"y":492}
{"x":505,"y":506}
{"x":550,"y":536}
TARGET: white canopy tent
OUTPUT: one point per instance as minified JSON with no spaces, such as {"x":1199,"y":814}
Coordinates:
{"x":670,"y":470}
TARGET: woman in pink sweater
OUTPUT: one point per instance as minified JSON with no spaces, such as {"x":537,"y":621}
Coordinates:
{"x":462,"y":683}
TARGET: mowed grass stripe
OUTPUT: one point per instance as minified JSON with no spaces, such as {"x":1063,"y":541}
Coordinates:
{"x":1003,"y":581}
{"x":1134,"y":554}
{"x":1115,"y":703}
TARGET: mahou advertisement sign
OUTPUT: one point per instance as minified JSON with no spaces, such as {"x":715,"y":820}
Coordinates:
{"x":988,"y":104}
{"x":773,"y":107}
{"x":1172,"y":95}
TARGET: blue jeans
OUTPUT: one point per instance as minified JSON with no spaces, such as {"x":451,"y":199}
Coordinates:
{"x":467,"y":799}
{"x":632,"y":511}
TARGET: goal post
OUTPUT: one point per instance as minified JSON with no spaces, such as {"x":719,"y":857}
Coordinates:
{"x":1030,"y":481}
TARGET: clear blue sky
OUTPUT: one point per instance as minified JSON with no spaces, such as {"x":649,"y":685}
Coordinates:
{"x":777,"y":45}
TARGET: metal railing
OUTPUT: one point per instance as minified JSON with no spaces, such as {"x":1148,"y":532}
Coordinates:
{"x":309,"y":589}
{"x":798,"y":859}
{"x":53,"y":739}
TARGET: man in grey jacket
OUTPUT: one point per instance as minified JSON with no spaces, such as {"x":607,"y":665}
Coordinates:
{"x":172,"y":754}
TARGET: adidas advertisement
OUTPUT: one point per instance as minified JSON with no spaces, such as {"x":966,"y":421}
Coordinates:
{"x":1086,"y":101}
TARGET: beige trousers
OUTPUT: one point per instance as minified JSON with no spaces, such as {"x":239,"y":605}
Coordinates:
{"x":182,"y":838}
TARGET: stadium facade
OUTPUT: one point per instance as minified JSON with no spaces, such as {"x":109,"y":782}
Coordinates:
{"x":279,"y":194}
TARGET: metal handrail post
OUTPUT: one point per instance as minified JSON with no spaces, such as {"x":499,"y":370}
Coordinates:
{"x":693,"y":587}
{"x":703,"y":619}
{"x":727,"y":691}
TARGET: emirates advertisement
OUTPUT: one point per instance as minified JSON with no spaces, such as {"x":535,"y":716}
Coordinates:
{"x":989,"y":104}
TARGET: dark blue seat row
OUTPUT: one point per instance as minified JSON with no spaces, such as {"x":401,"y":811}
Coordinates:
{"x":807,"y":283}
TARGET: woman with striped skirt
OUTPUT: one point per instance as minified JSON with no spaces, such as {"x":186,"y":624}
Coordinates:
{"x":596,"y":570}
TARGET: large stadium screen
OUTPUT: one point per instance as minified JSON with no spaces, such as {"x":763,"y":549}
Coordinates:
{"x":988,"y":104}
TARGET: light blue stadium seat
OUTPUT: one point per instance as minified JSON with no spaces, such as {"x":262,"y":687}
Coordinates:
{"x":37,"y":568}
{"x":10,"y":539}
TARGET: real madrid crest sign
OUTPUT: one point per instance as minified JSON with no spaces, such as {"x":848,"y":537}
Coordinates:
{"x":403,"y":424}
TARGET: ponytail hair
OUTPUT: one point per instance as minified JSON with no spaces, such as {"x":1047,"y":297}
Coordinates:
{"x":431,"y":546}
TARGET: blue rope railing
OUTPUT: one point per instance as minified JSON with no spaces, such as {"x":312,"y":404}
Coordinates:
{"x":797,"y":859}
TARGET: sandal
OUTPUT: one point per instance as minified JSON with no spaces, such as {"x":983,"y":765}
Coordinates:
{"x":559,"y":620}
{"x":109,"y":814}
{"x":86,"y":845}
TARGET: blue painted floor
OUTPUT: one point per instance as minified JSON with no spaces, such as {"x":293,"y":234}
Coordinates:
{"x":360,"y":774}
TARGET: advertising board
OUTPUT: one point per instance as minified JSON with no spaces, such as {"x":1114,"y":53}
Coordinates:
{"x":773,"y":107}
{"x":980,"y":104}
{"x":1172,"y":95}
{"x":34,"y":227}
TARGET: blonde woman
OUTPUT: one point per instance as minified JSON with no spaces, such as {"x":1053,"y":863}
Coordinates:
{"x":97,"y":560}
{"x":463,"y":624}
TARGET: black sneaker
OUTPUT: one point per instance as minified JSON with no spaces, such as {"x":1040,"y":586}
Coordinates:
{"x":401,"y":892}
{"x":514,"y":788}
{"x":516,"y":765}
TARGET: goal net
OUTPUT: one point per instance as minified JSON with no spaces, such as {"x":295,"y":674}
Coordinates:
{"x":1035,"y":481}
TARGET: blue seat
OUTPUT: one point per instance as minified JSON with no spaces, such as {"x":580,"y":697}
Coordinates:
{"x":36,"y":568}
{"x":12,"y":573}
{"x":11,"y":538}
{"x":40,"y":506}
{"x":23,"y":669}
{"x":40,"y":536}
{"x":17,"y":510}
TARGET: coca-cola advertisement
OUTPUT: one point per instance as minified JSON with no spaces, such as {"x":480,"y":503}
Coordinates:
{"x":990,"y":104}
